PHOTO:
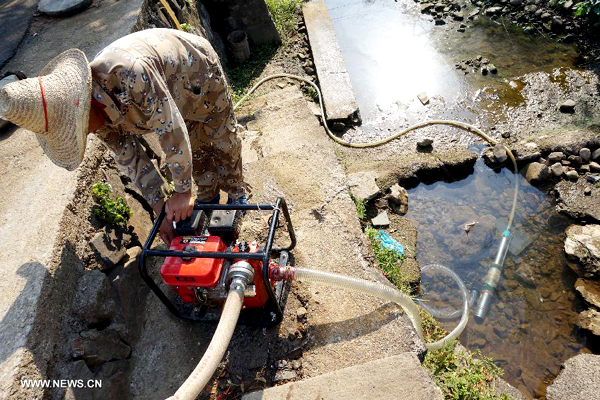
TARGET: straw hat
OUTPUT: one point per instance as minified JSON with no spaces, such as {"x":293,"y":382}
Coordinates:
{"x":55,"y":106}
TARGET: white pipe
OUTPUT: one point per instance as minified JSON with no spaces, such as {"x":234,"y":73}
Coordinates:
{"x":207,"y":366}
{"x":390,"y":294}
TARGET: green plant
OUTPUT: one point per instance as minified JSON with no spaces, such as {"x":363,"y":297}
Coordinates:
{"x":588,"y":8}
{"x":361,"y":209}
{"x":108,"y":209}
{"x":188,"y":28}
{"x":389,"y":262}
{"x":285,"y":14}
{"x":462,"y":374}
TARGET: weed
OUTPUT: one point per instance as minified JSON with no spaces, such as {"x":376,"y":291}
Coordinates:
{"x":285,"y":14}
{"x":188,"y":28}
{"x":361,"y":209}
{"x":589,"y":9}
{"x":112,"y":211}
{"x":462,"y":375}
{"x":389,"y":262}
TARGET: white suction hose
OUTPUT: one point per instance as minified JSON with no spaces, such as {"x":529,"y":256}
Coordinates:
{"x":207,"y":366}
{"x":389,"y":294}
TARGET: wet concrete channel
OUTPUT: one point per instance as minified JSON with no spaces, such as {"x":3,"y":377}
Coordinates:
{"x":393,"y":53}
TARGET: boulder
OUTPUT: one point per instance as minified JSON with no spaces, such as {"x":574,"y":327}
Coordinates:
{"x":590,"y":320}
{"x":582,"y":246}
{"x":589,"y":290}
{"x":398,"y":199}
{"x":579,"y":379}
{"x":536,"y":172}
{"x":110,"y":246}
{"x":363,"y":186}
{"x":94,"y":302}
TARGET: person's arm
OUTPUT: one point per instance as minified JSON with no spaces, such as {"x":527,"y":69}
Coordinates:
{"x":151,"y":95}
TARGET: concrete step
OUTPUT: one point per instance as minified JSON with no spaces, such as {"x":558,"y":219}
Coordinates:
{"x":392,"y":378}
{"x":338,"y":95}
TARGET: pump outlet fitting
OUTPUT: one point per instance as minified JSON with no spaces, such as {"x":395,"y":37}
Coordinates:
{"x":240,"y":275}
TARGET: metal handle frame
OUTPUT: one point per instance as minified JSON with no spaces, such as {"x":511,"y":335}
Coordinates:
{"x":265,"y":255}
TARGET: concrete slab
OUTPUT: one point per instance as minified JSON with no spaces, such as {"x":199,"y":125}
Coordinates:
{"x":58,"y":8}
{"x":16,"y":16}
{"x":338,"y":95}
{"x":35,"y":194}
{"x":398,"y":377}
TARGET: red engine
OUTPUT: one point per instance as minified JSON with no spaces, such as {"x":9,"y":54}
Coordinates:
{"x":204,"y":280}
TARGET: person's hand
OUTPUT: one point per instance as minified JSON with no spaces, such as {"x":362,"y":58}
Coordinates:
{"x":166,"y":230}
{"x":180,"y":206}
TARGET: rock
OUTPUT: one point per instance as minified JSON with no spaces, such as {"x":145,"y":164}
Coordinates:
{"x":576,"y":160}
{"x":587,"y":191}
{"x":585,"y":154}
{"x":525,"y":275}
{"x":593,"y":178}
{"x":590,"y":320}
{"x":362,"y":185}
{"x":584,"y":168}
{"x":484,"y":70}
{"x":127,"y":282}
{"x":579,"y":379}
{"x":425,"y":143}
{"x":500,"y":153}
{"x":301,"y":313}
{"x":568,"y":107}
{"x":567,"y":5}
{"x":589,"y":290}
{"x":557,"y":25}
{"x":596,"y":155}
{"x":338,"y":126}
{"x":556,"y":156}
{"x":594,"y":166}
{"x":516,"y":3}
{"x":381,"y":220}
{"x":110,"y":246}
{"x":94,"y":302}
{"x":97,"y":347}
{"x":557,"y":169}
{"x":572,"y":175}
{"x":565,"y":162}
{"x":493,"y":10}
{"x":492,"y":68}
{"x":286,"y":375}
{"x":426,"y":7}
{"x":3,"y":82}
{"x":582,"y":245}
{"x":536,"y":173}
{"x":474,"y":13}
{"x":440,"y":21}
{"x":458,"y":16}
{"x":398,"y":199}
{"x":58,"y":8}
{"x":423,"y":98}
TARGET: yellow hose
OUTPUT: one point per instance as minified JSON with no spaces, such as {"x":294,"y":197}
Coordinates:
{"x":171,"y":13}
{"x":461,"y":125}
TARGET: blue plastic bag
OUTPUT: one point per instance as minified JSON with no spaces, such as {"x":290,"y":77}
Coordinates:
{"x":389,"y":243}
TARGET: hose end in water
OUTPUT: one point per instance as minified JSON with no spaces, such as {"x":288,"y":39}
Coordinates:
{"x":483,"y":305}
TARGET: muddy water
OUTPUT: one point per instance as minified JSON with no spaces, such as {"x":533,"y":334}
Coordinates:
{"x":530,"y":329}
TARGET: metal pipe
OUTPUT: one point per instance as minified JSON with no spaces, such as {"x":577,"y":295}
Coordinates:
{"x":490,"y":282}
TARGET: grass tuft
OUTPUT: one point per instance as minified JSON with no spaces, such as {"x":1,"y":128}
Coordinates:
{"x":285,"y":14}
{"x":361,"y":209}
{"x":389,"y":262}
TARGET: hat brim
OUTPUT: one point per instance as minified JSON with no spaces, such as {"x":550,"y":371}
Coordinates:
{"x":68,"y":148}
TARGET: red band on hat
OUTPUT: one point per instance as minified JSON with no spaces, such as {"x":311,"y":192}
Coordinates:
{"x":44,"y":103}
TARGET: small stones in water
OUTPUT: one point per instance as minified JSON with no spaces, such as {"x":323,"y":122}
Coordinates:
{"x":423,"y":98}
{"x":425,"y":143}
{"x":567,"y":107}
{"x":479,"y":62}
{"x":536,"y":172}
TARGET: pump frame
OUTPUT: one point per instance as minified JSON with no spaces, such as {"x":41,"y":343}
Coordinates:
{"x":272,"y":313}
